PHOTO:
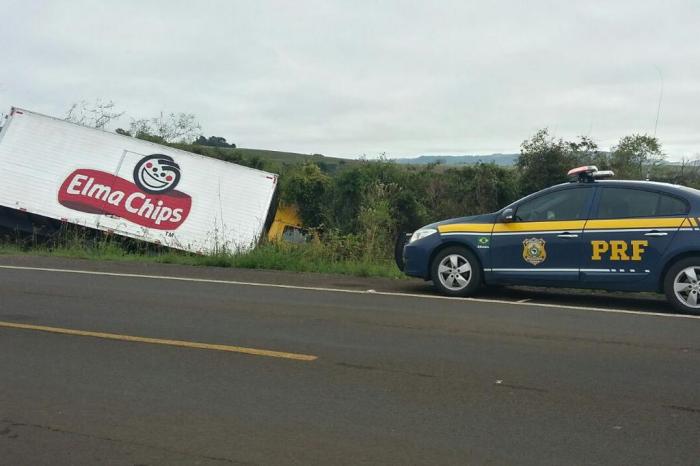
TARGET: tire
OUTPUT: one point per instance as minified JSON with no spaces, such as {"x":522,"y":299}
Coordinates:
{"x":447,"y":278}
{"x":401,"y":241}
{"x":682,"y":291}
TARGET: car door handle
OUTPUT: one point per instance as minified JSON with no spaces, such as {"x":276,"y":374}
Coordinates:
{"x":656,"y":233}
{"x":567,"y":235}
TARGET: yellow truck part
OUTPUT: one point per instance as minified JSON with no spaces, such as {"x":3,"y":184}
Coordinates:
{"x":287,"y":225}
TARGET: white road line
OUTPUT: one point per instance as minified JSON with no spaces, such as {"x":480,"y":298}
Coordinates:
{"x":340,"y":290}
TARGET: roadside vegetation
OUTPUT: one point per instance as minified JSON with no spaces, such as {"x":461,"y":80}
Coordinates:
{"x":354,"y":210}
{"x":313,"y":256}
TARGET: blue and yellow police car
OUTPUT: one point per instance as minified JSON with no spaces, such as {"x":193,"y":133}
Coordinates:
{"x":592,"y":232}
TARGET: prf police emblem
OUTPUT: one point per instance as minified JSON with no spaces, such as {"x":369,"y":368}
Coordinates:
{"x":534,"y":251}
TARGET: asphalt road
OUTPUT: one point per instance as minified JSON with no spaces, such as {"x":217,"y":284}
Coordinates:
{"x":358,"y":378}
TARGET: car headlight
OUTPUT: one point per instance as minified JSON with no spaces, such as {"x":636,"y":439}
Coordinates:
{"x":422,"y":233}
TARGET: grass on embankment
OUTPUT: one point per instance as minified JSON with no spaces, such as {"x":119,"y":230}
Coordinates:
{"x":309,"y":257}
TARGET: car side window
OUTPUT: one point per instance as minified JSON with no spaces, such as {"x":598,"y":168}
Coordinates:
{"x":567,"y":204}
{"x":669,"y":205}
{"x":631,"y":203}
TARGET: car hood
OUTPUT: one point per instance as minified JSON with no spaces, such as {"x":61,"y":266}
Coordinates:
{"x":483,"y":218}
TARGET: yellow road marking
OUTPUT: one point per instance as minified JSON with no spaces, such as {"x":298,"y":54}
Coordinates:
{"x":161,"y":341}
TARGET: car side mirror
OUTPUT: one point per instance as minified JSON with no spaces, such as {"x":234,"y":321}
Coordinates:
{"x":507,"y":215}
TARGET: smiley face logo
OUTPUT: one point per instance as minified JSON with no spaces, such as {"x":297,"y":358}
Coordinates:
{"x":157,"y":174}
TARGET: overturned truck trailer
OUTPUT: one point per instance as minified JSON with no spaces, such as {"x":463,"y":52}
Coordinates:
{"x":54,"y":171}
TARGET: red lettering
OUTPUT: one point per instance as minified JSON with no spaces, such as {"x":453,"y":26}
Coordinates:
{"x":112,"y":195}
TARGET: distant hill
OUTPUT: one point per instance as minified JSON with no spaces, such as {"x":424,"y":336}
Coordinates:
{"x":267,"y":159}
{"x":287,"y":157}
{"x":290,"y":157}
{"x":334,"y":163}
{"x":498,"y":159}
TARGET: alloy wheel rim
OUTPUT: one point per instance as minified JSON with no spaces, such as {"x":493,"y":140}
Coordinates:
{"x":454,"y":272}
{"x":686,"y":287}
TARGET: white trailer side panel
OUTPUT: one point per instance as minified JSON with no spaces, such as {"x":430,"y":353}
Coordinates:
{"x":87,"y":177}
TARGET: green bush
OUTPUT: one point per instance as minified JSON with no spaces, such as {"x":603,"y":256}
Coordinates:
{"x":341,"y":254}
{"x":370,"y":203}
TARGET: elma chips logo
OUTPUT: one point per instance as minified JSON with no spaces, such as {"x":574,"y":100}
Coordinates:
{"x":150,"y":201}
{"x":156,"y":174}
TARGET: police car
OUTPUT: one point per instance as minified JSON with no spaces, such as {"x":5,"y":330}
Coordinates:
{"x":588,"y":233}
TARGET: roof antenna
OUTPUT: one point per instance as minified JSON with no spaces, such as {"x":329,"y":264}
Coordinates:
{"x":661,"y":96}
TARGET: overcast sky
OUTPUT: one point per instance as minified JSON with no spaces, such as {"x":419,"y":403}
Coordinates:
{"x":346,"y":78}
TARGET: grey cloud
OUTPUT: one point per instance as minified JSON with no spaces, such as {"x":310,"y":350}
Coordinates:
{"x":347,"y":78}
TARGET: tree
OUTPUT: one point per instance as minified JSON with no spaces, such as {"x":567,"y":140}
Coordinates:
{"x":307,"y":187}
{"x":180,"y":127}
{"x":141,"y":129}
{"x":636,"y":156}
{"x":585,"y":152}
{"x":97,"y":114}
{"x":687,"y":173}
{"x":213,"y":141}
{"x":543,"y":161}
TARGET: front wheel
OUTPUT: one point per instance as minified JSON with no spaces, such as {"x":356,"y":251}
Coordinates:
{"x":455,"y":271}
{"x":682,"y":285}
